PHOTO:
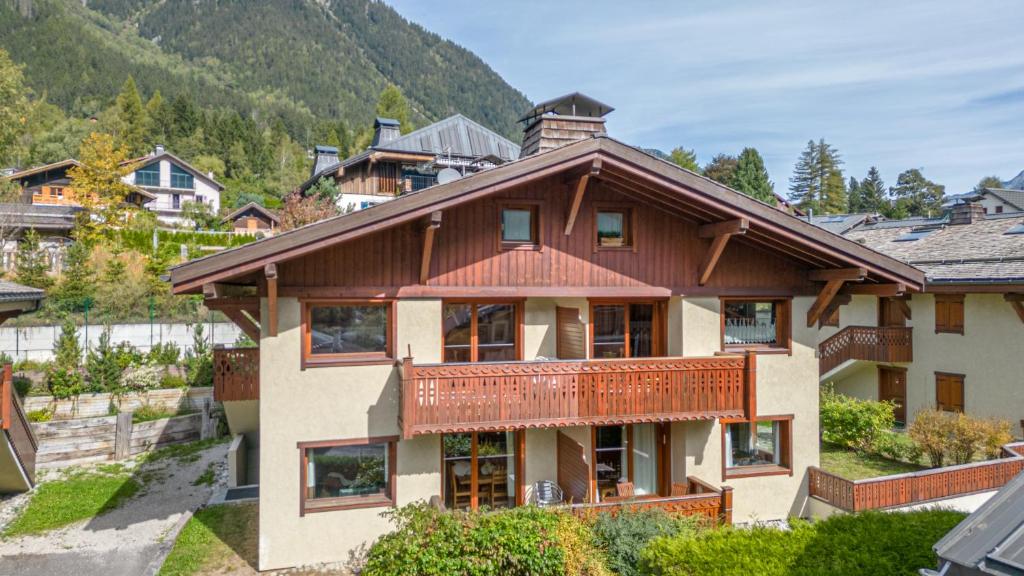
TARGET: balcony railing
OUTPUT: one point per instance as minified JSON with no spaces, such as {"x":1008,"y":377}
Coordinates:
{"x":700,"y":499}
{"x":448,"y":398}
{"x":871,"y":343}
{"x":236,"y":374}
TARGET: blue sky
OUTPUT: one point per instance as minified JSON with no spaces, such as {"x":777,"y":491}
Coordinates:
{"x":936,"y":85}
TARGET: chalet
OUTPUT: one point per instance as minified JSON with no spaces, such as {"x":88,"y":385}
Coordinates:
{"x":52,"y":222}
{"x":395,"y":164}
{"x":253,"y":219}
{"x":50,"y":185}
{"x":173,"y":183}
{"x":951,"y":346}
{"x":587,"y":324}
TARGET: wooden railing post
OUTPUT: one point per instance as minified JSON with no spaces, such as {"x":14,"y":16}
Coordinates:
{"x":407,"y":395}
{"x":750,"y":384}
{"x":726,"y":512}
{"x":123,"y":435}
{"x":6,"y":393}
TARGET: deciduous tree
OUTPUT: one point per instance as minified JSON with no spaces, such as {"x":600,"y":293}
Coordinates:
{"x":917,"y":195}
{"x":299,"y":211}
{"x":98,"y":185}
{"x":721,"y":168}
{"x":988,"y":182}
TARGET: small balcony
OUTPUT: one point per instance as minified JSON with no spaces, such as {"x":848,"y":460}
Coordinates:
{"x":465,"y":397}
{"x":868,"y":343}
{"x":236,"y":374}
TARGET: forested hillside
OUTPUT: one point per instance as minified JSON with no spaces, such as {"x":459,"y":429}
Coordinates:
{"x":304,"y":62}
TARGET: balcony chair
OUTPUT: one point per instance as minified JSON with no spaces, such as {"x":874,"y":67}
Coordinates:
{"x":547,"y":493}
{"x":624,"y":490}
{"x":680,"y":489}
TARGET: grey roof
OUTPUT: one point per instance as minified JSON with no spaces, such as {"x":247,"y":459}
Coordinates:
{"x":39,"y":216}
{"x":270,"y":215}
{"x":1014,"y":198}
{"x":839,"y":223}
{"x":980,"y":252}
{"x":10,"y":292}
{"x":455,"y":135}
{"x":990,"y":540}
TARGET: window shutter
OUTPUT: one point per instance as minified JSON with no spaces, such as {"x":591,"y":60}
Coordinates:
{"x":949,"y":392}
{"x":941,"y":315}
{"x":570,"y":340}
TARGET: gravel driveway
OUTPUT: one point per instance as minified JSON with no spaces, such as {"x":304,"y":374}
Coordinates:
{"x":126,"y":540}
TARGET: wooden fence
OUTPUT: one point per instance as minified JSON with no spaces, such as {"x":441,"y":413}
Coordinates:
{"x":236,"y":374}
{"x":95,"y":405}
{"x":701,"y":499}
{"x":871,"y":343}
{"x":916,"y":487}
{"x":16,"y":427}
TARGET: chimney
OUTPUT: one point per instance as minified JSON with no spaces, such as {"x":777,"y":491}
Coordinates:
{"x":385,"y":130}
{"x":966,"y":213}
{"x":562,"y":121}
{"x":323,"y":156}
{"x":158,"y":150}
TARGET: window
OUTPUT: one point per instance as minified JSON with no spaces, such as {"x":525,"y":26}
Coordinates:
{"x":347,"y":332}
{"x":520,"y":226}
{"x":176,"y":201}
{"x":999,"y":209}
{"x":949,"y":392}
{"x":148,"y":175}
{"x":481,"y":332}
{"x":915,"y":234}
{"x":629,"y":453}
{"x":480,"y":469}
{"x":180,"y":178}
{"x":1017,"y":229}
{"x":755,"y":324}
{"x":757,"y":448}
{"x":949,"y":313}
{"x":613,"y":227}
{"x":626,"y":330}
{"x":347,"y":474}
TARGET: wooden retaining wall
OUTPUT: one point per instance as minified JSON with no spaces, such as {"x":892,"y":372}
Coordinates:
{"x":96,"y":405}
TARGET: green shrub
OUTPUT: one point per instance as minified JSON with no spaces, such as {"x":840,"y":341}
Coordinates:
{"x":582,"y":556}
{"x":62,"y":376}
{"x":624,"y":534}
{"x":865,"y":544}
{"x":996,"y":433}
{"x":967,"y":439}
{"x":898,"y":446}
{"x":27,"y":365}
{"x":147,"y":413}
{"x":429,"y":542}
{"x":101,"y":365}
{"x":164,"y":354}
{"x":41,"y":415}
{"x":172,"y":381}
{"x":127,"y":355}
{"x":141,"y":378}
{"x":22,"y":385}
{"x":853,"y":422}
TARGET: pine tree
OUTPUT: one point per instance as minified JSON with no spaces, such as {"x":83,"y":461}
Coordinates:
{"x":817,"y":182}
{"x":872,"y":193}
{"x":14,"y":106}
{"x":392,"y":104}
{"x":31,"y":267}
{"x":131,"y":119}
{"x":102,"y":366}
{"x":78,"y":282}
{"x":158,"y":120}
{"x":751,"y":177}
{"x":917,"y":195}
{"x":853,"y":196}
{"x":721,"y":168}
{"x":62,"y":376}
{"x":685,"y":159}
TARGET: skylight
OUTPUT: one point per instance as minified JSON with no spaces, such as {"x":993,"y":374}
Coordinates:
{"x":832,"y":219}
{"x":1018,"y":229}
{"x":914,"y":235}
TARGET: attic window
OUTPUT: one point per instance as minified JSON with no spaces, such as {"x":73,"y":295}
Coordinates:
{"x":1018,"y":229}
{"x":915,"y":234}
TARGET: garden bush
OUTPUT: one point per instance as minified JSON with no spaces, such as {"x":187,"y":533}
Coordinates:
{"x":101,"y":365}
{"x":173,"y":381}
{"x":958,"y":437}
{"x":852,"y":422}
{"x":141,"y":378}
{"x":41,"y":415}
{"x":624,"y":535}
{"x":932,"y":430}
{"x":996,"y":433}
{"x":864,"y":544}
{"x":967,"y":439}
{"x":164,"y":354}
{"x":430,"y":542}
{"x":22,"y":385}
{"x":898,"y":446}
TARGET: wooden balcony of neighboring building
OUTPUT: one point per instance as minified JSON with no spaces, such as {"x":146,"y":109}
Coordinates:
{"x":236,"y":374}
{"x":869,"y":343}
{"x":464,"y":397}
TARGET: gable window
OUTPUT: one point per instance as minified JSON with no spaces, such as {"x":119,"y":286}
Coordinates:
{"x":481,"y":332}
{"x":755,"y":323}
{"x":148,"y":175}
{"x":343,"y":474}
{"x":613,"y":227}
{"x":180,"y":178}
{"x":999,"y":209}
{"x":340,"y":332}
{"x":949,"y":313}
{"x":761,"y":447}
{"x":626,"y":330}
{"x":949,"y":392}
{"x":520,"y":226}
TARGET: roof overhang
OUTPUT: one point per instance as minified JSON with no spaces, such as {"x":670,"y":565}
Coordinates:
{"x":658,"y":181}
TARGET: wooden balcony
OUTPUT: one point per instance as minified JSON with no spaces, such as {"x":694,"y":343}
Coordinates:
{"x":700,"y":499}
{"x":236,"y":374}
{"x":463,"y":397}
{"x":870,"y":343}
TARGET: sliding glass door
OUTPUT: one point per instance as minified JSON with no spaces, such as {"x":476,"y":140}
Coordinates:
{"x":627,"y":330}
{"x":480,"y":470}
{"x":628,"y":454}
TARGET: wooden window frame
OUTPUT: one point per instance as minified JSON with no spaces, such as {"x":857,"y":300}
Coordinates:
{"x":785,"y":468}
{"x":659,"y":336}
{"x":519,"y":439}
{"x":474,"y":351}
{"x":783,"y":326}
{"x":352,"y":359}
{"x":663,"y":457}
{"x":349,"y":502}
{"x":536,"y":213}
{"x":630,"y":225}
{"x":963,"y":390}
{"x":947,"y":300}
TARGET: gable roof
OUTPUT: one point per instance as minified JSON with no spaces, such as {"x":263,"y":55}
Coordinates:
{"x":147,"y":160}
{"x":1014,"y":198}
{"x":68,"y":163}
{"x":673,"y":186}
{"x":455,"y":135}
{"x":839,"y":223}
{"x":252,"y":206}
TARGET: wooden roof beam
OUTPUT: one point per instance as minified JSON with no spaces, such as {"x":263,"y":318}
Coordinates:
{"x":823,"y":300}
{"x":247,"y":325}
{"x":577,"y":199}
{"x":720,"y":232}
{"x":1017,"y":303}
{"x":876,"y":289}
{"x":428,"y":244}
{"x":840,"y":300}
{"x":270,"y":273}
{"x":844,"y":274}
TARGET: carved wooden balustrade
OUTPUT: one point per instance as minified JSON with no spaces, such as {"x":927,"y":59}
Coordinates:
{"x":871,"y":343}
{"x":701,"y":499}
{"x":236,"y":374}
{"x":448,"y":398}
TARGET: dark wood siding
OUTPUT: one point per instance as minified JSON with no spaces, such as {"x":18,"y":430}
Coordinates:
{"x":573,"y":472}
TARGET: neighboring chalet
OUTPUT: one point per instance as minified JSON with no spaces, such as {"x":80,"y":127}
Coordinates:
{"x":253,"y":219}
{"x":50,"y":185}
{"x":17,"y":442}
{"x":587,"y":322}
{"x":396,"y":164}
{"x":957,"y":345}
{"x":53,"y":224}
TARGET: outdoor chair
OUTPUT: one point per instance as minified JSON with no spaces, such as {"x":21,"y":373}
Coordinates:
{"x":625,"y":489}
{"x":547,"y":493}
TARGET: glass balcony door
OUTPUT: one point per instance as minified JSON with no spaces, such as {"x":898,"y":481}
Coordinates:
{"x":480,"y":470}
{"x":481,"y":331}
{"x":627,"y":330}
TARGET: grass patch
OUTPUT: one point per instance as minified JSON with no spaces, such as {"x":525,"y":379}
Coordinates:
{"x":208,"y":477}
{"x":150,"y":413}
{"x":77,"y":496}
{"x":215,"y":540}
{"x":184,"y":453}
{"x":854,"y":465}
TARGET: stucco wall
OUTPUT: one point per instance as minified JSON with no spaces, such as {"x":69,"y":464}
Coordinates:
{"x":539,"y":331}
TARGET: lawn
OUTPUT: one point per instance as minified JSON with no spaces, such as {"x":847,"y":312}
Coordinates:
{"x":857,"y":465}
{"x":76,"y":496}
{"x":219,"y":539}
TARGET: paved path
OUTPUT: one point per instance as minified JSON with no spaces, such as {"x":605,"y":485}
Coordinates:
{"x":124,"y":541}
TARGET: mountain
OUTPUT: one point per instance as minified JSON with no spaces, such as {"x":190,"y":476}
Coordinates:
{"x":301,"y":61}
{"x":1017,"y":183}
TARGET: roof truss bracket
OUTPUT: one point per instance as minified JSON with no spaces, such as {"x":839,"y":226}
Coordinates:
{"x":903,"y":306}
{"x":719,"y":232}
{"x":839,"y":300}
{"x":824,"y":299}
{"x":270,"y":273}
{"x":1017,"y":303}
{"x":430,"y":229}
{"x":244,"y":322}
{"x":577,"y":198}
{"x":844,"y":274}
